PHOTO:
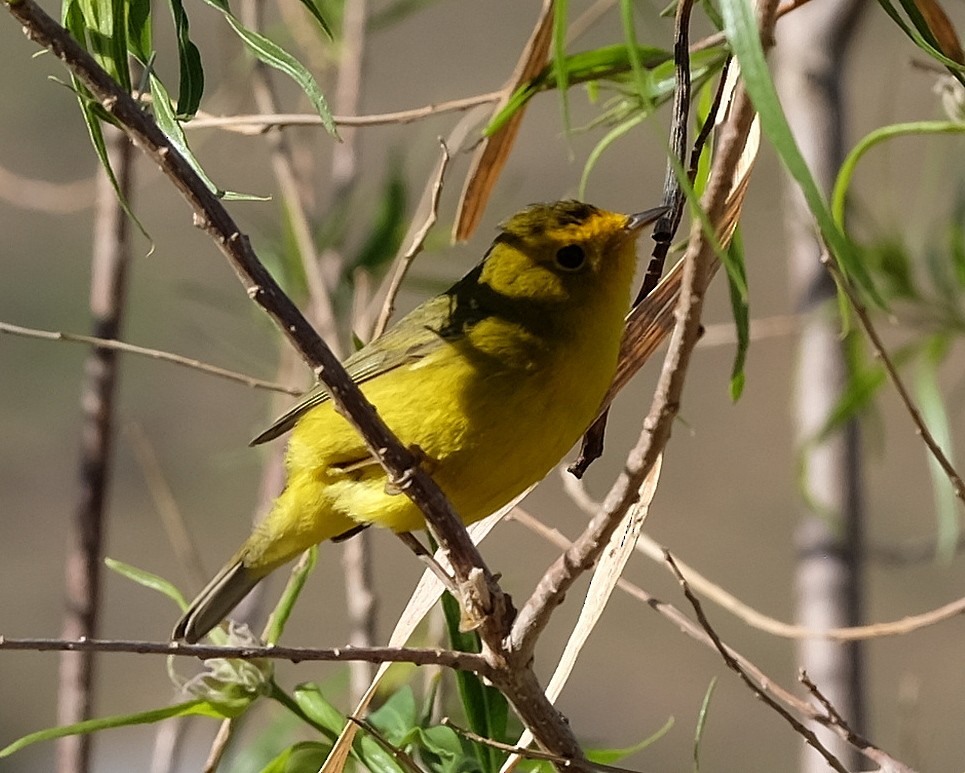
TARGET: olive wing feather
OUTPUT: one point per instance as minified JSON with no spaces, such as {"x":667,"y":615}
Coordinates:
{"x":413,"y":338}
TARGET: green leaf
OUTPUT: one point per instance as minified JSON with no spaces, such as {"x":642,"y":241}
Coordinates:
{"x":311,"y":701}
{"x":936,"y":419}
{"x":611,"y":756}
{"x":487,"y":710}
{"x":842,"y":183}
{"x":303,"y":757}
{"x":189,"y":708}
{"x":702,"y":722}
{"x":283,"y":609}
{"x":169,"y":124}
{"x":607,"y":62}
{"x":641,"y":78}
{"x":275,"y":56}
{"x":742,"y":33}
{"x":190,"y":69}
{"x":660,"y":85}
{"x":397,"y":716}
{"x":317,"y":15}
{"x":446,"y":751}
{"x":922,"y":35}
{"x":148,"y":580}
{"x":139,"y":34}
{"x":740,"y":308}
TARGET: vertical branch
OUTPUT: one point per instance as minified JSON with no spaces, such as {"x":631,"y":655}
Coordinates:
{"x":111,"y":252}
{"x":357,"y":552}
{"x":829,"y":543}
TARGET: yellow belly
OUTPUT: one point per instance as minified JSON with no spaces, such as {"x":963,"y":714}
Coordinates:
{"x":484,"y":438}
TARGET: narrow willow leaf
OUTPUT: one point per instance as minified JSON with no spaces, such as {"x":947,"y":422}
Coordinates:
{"x":302,"y":757}
{"x":148,"y":580}
{"x":640,"y":76}
{"x":702,"y":722}
{"x":296,"y":582}
{"x":740,"y":308}
{"x":604,"y":63}
{"x":169,"y":124}
{"x":742,"y":32}
{"x":921,"y":35}
{"x":317,"y":16}
{"x":487,"y":710}
{"x":611,"y":756}
{"x":275,"y":56}
{"x":936,"y":419}
{"x":197,"y":707}
{"x":190,"y":69}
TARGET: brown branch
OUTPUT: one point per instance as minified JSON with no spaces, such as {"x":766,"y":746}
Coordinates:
{"x":213,"y":218}
{"x":416,"y":243}
{"x":482,"y":598}
{"x":734,"y":666}
{"x":921,"y":429}
{"x":684,"y":624}
{"x":85,"y":548}
{"x":262,"y":122}
{"x":748,"y":614}
{"x":461,"y":661}
{"x":657,"y":426}
{"x":154,"y":354}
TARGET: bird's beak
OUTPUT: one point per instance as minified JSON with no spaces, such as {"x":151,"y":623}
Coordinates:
{"x":635,"y":223}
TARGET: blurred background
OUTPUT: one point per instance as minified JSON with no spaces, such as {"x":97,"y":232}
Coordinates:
{"x":728,"y":500}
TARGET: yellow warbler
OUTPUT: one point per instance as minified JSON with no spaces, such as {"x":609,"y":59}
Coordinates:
{"x":493,"y":381}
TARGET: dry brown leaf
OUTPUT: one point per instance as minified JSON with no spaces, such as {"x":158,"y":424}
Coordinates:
{"x":942,"y":28}
{"x":492,"y":153}
{"x":604,"y":582}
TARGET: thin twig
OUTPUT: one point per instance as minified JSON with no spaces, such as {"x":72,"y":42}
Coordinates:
{"x":85,"y":544}
{"x":281,"y":120}
{"x":732,"y":664}
{"x":753,"y":617}
{"x":921,"y":429}
{"x":219,"y":746}
{"x":292,"y":191}
{"x":462,"y":661}
{"x":143,"y":351}
{"x":551,"y":589}
{"x":531,"y":754}
{"x":680,"y":621}
{"x":404,"y":261}
{"x":401,"y":756}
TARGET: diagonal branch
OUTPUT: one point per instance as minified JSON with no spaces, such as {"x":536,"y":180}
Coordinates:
{"x":698,"y":265}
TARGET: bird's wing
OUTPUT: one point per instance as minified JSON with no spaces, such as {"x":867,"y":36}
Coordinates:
{"x":412,"y":339}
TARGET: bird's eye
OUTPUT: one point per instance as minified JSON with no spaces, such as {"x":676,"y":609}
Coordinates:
{"x":571,"y":257}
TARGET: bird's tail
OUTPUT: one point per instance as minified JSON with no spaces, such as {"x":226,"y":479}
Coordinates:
{"x":218,"y":598}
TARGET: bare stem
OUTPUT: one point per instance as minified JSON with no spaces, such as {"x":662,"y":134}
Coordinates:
{"x":111,"y":254}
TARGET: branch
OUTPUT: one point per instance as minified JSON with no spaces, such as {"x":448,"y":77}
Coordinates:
{"x":154,"y":354}
{"x":921,"y":429}
{"x":110,"y":263}
{"x":461,"y":661}
{"x":260,"y":123}
{"x":658,"y":424}
{"x":732,"y":664}
{"x":211,"y":216}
